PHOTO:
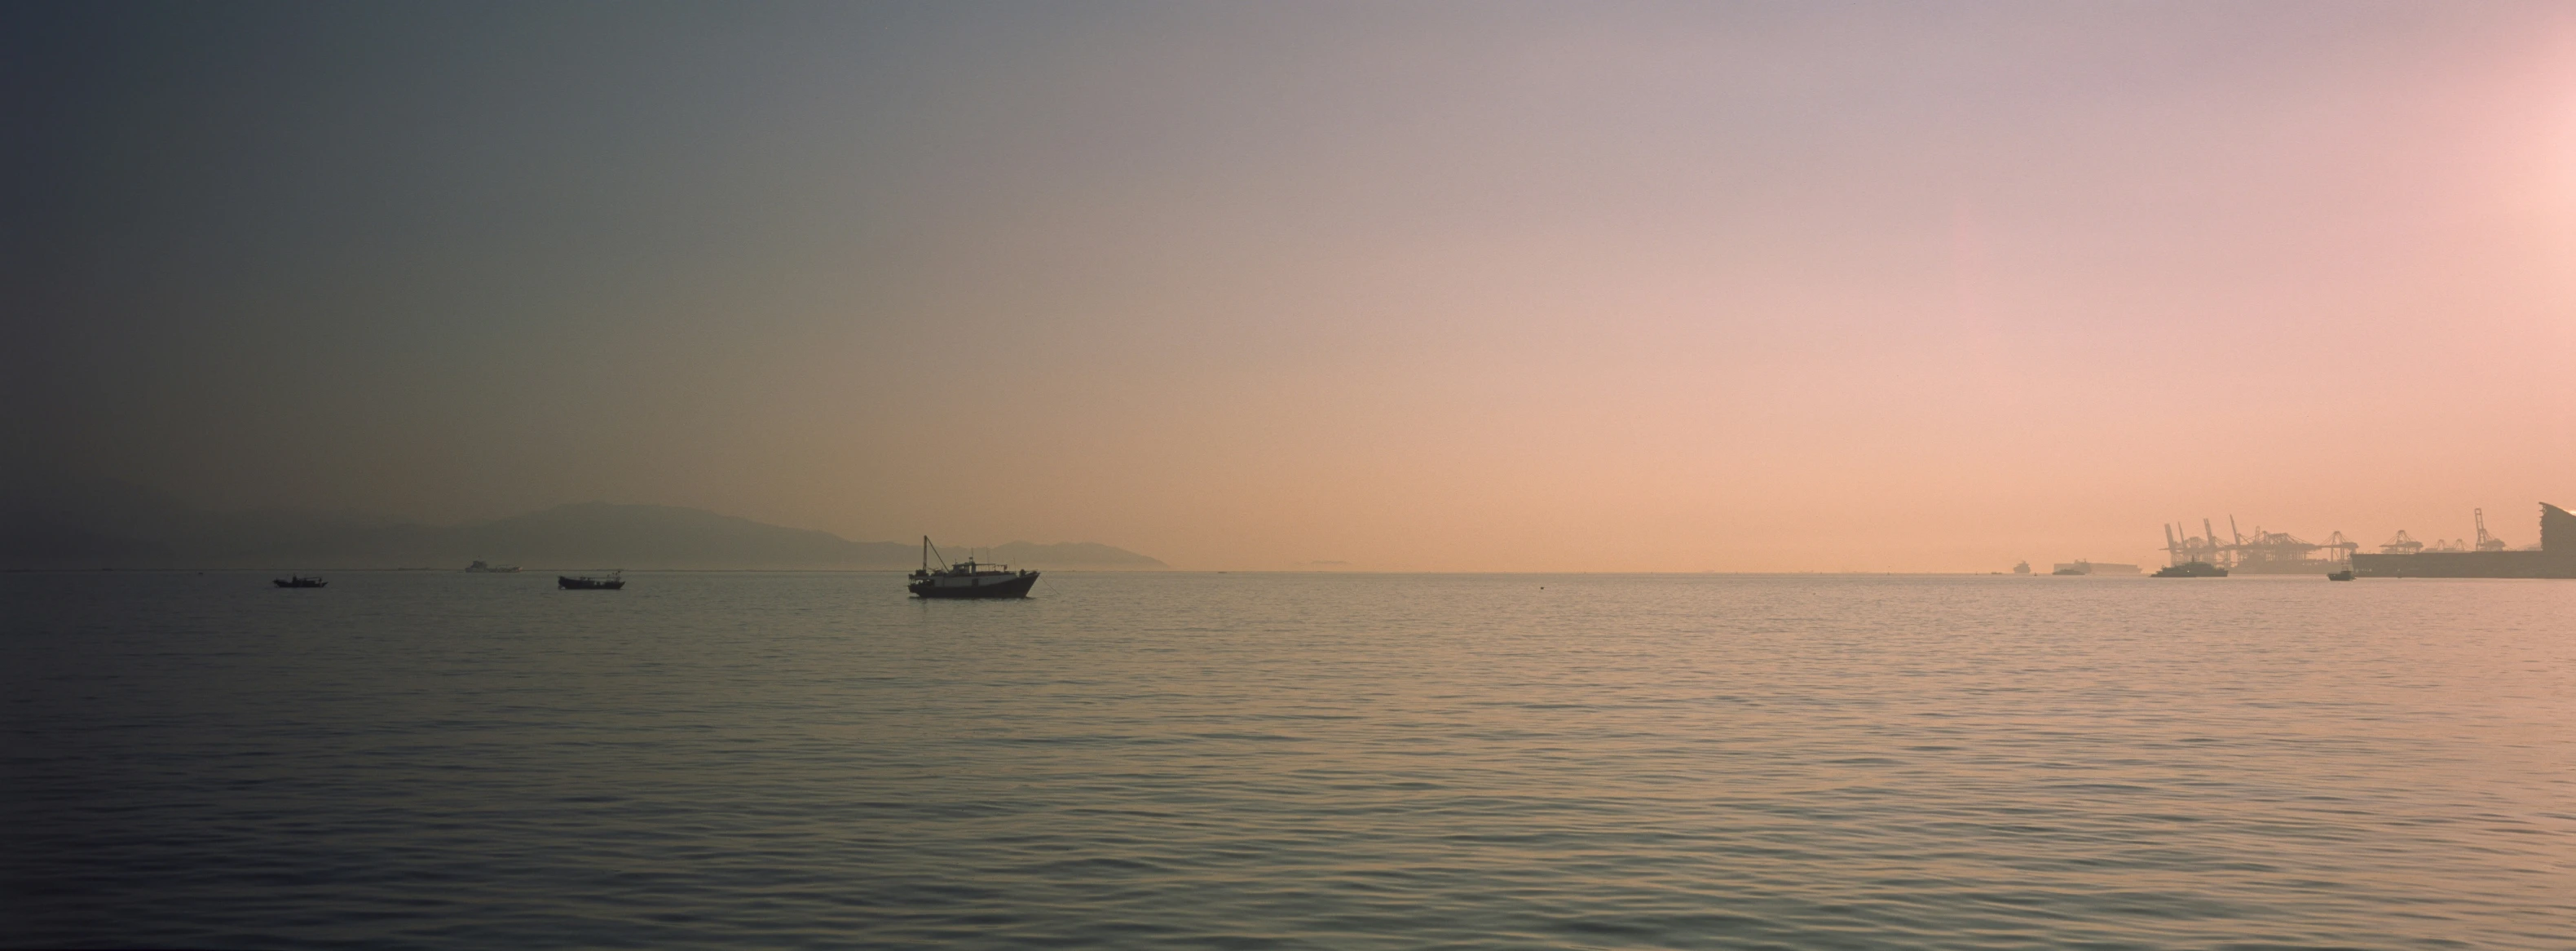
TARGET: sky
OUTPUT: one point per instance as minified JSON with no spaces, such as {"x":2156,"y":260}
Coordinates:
{"x":1797,"y":286}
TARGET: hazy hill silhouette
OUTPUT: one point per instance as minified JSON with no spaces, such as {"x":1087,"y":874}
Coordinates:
{"x":48,"y":520}
{"x":651,"y":536}
{"x":1071,"y":555}
{"x":102,"y":523}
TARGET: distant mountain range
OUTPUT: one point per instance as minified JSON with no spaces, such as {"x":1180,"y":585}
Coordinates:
{"x":102,"y":523}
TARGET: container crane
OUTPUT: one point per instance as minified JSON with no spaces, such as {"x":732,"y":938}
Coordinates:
{"x":2403,"y":544}
{"x":2486,"y":542}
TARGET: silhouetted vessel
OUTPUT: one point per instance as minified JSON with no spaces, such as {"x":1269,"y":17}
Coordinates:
{"x":613,"y":582}
{"x":968,"y":579}
{"x":479,"y":568}
{"x":2081,"y":567}
{"x":2192,"y":569}
{"x":2344,"y":575}
{"x":300,"y":581}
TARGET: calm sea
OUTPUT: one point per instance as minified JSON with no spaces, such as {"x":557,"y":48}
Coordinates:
{"x":1288,"y":761}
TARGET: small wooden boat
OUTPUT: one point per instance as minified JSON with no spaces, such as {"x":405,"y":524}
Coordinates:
{"x":614,"y":581}
{"x":300,"y":581}
{"x":968,"y":579}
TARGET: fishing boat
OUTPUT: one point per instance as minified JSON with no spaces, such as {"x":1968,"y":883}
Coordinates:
{"x":2344,"y":575}
{"x":481,"y":568}
{"x":967,"y":579}
{"x":300,"y":581}
{"x":612,"y":582}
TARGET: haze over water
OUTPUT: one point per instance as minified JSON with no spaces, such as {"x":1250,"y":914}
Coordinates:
{"x":1430,"y":286}
{"x":1733,"y":286}
{"x":1289,"y":761}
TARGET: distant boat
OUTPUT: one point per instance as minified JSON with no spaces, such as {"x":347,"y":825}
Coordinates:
{"x":613,"y":582}
{"x":300,"y":581}
{"x":2082,"y":567}
{"x":968,"y":579}
{"x":2344,"y":575}
{"x":479,"y":568}
{"x":2192,"y":569}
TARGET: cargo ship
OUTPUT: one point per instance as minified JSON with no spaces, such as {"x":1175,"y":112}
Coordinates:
{"x":2082,"y":567}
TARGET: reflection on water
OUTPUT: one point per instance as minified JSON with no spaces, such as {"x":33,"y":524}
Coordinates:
{"x":1289,"y":761}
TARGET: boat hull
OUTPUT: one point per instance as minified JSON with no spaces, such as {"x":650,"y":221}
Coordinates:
{"x":2193,"y":569}
{"x":588,"y":584}
{"x":1016,"y":586}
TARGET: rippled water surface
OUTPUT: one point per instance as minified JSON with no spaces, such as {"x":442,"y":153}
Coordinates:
{"x":1289,"y":761}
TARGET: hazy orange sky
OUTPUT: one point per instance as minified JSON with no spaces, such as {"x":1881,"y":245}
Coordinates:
{"x":1454,"y":286}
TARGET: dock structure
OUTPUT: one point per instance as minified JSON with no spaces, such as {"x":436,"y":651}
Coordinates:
{"x":2266,"y":553}
{"x":2404,"y":557}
